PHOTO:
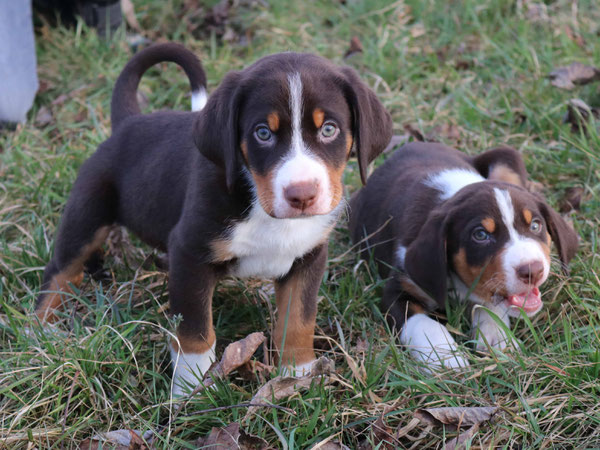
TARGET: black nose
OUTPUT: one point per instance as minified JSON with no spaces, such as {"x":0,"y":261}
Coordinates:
{"x":531,"y":272}
{"x":301,"y":195}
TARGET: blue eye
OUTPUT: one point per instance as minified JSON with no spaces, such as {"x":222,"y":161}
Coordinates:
{"x":536,"y":226}
{"x":480,"y":236}
{"x":328,"y":129}
{"x":263,"y":133}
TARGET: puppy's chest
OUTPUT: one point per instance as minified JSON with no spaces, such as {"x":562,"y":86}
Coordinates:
{"x":266,"y":247}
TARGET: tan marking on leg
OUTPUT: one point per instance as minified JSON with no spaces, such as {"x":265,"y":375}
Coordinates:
{"x":528,"y":216}
{"x":489,"y":224}
{"x":221,"y":250}
{"x":70,"y":275}
{"x":318,"y":117}
{"x":273,"y":121}
{"x":335,"y":175}
{"x":299,"y":336}
{"x":264,"y":190}
{"x":349,"y":142}
{"x":199,"y":344}
{"x":500,"y":172}
{"x":492,"y":279}
{"x":415,"y":308}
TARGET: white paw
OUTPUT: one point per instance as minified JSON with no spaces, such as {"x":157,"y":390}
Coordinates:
{"x":189,"y":369}
{"x":297,"y":371}
{"x":429,"y":341}
{"x":490,"y":334}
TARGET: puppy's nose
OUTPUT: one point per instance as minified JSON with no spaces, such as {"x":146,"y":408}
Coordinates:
{"x":531,"y":272}
{"x":301,"y":195}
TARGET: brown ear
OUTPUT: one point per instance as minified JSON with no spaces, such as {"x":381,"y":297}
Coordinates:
{"x":371,"y":123}
{"x":502,"y":164}
{"x":426,"y":259}
{"x":562,"y":234}
{"x":216,"y":131}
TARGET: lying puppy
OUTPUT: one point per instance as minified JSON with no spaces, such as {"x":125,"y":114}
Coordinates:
{"x":250,"y":186}
{"x":433,"y":221}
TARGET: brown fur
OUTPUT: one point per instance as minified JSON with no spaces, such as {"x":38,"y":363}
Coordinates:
{"x":62,"y":281}
{"x":489,"y":224}
{"x":318,"y":117}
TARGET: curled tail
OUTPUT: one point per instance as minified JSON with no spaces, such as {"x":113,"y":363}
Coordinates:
{"x":124,"y":101}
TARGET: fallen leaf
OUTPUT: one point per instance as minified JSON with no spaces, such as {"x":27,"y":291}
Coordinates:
{"x":572,"y":199}
{"x":397,"y":141}
{"x":414,"y":132}
{"x":382,"y":435}
{"x":231,"y":437}
{"x":578,"y":114}
{"x":462,"y":439}
{"x":456,"y":416}
{"x":574,"y":36}
{"x":253,"y":370}
{"x":235,"y":355}
{"x":282,"y":387}
{"x":576,"y":73}
{"x":129,"y":12}
{"x":118,"y":440}
{"x":448,"y":132}
{"x":355,"y":47}
{"x":43,"y":117}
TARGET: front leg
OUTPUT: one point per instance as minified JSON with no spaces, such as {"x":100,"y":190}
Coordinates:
{"x":191,"y":286}
{"x":296,"y":297}
{"x":487,"y":331}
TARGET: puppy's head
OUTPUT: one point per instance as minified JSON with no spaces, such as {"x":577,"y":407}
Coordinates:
{"x":495,"y":237}
{"x":289,"y":122}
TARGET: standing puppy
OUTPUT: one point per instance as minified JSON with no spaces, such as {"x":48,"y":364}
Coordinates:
{"x":432,"y":222}
{"x":250,"y":186}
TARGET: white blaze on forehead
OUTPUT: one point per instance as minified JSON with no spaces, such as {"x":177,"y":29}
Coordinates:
{"x":199,"y":99}
{"x":300,"y":165}
{"x":450,"y":181}
{"x":519,"y":249}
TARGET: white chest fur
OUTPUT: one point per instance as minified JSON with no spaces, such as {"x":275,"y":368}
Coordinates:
{"x":266,"y":247}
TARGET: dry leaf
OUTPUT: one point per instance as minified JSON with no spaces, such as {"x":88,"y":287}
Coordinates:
{"x":129,"y":12}
{"x":456,"y":416}
{"x":445,"y":132}
{"x":43,"y":117}
{"x":231,"y":437}
{"x":572,"y":199}
{"x":118,"y":440}
{"x":461,"y":440}
{"x":576,"y":73}
{"x":578,"y":115}
{"x":235,"y":355}
{"x":282,"y":387}
{"x":397,"y":141}
{"x":355,"y":47}
{"x":382,"y":435}
{"x":414,"y":132}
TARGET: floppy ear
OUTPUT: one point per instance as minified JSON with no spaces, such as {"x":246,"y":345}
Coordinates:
{"x":563,"y":235}
{"x":371,"y":123}
{"x":502,"y":164}
{"x":216,"y":132}
{"x":426,"y":259}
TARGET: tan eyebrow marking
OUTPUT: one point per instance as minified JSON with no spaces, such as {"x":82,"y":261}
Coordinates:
{"x":489,"y":224}
{"x":318,"y":117}
{"x":273,"y":121}
{"x":527,"y":216}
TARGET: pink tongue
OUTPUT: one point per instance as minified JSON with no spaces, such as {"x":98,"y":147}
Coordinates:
{"x":529,"y":301}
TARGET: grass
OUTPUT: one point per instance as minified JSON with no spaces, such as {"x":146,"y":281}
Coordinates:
{"x":476,"y":67}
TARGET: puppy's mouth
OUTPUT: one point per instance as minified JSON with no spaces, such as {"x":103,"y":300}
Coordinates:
{"x":530,"y":302}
